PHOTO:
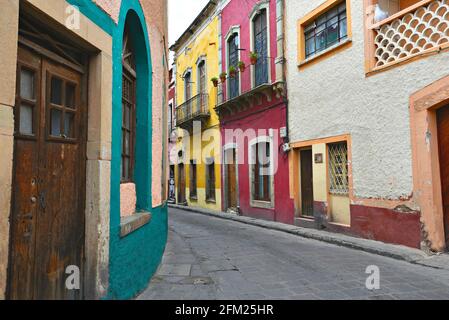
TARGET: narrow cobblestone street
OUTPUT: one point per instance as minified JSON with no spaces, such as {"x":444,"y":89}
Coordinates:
{"x":209,"y":258}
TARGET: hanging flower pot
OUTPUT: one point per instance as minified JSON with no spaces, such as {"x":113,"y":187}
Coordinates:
{"x":253,"y":56}
{"x":223,"y":76}
{"x":232,"y":72}
{"x":214,"y":81}
{"x":242,"y":66}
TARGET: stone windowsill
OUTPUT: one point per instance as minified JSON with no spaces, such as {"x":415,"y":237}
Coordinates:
{"x":134,"y":222}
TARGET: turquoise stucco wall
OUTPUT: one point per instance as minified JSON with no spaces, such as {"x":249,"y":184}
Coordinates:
{"x":133,"y":259}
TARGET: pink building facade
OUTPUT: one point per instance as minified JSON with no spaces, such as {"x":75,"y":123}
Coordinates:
{"x":252,"y":109}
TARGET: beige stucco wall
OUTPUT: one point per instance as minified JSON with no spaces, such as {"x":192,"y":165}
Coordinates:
{"x":157,"y":25}
{"x":334,"y":97}
{"x":9,"y":17}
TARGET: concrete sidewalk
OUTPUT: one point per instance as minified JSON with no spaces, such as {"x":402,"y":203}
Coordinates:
{"x":438,"y":261}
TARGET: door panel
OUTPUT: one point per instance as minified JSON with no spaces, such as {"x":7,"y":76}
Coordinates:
{"x":232,"y":181}
{"x":306,"y":183}
{"x":181,"y":185}
{"x":443,"y":141}
{"x":55,"y":164}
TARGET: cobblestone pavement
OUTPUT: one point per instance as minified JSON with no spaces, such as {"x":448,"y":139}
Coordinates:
{"x":209,"y":258}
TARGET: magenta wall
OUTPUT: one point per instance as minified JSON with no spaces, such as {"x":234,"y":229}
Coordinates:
{"x":266,"y":115}
{"x":236,"y":13}
{"x":263,"y":117}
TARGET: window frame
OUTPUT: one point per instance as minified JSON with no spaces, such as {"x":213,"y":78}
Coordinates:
{"x":326,"y":24}
{"x":129,"y":73}
{"x":260,"y":6}
{"x":309,"y":18}
{"x":233,"y":31}
{"x":252,"y":164}
{"x":253,"y":40}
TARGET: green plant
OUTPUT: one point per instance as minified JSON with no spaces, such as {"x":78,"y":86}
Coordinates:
{"x":253,"y":57}
{"x":214,"y":81}
{"x":223,"y":76}
{"x":232,"y":71}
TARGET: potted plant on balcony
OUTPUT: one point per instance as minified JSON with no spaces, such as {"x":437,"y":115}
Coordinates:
{"x":214,"y":81}
{"x":242,"y":66}
{"x":232,"y":72}
{"x":223,"y":76}
{"x":253,"y":56}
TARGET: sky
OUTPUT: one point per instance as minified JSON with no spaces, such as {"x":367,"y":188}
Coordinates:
{"x":181,"y":14}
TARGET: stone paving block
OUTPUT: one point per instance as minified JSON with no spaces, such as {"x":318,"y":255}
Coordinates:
{"x":175,"y":270}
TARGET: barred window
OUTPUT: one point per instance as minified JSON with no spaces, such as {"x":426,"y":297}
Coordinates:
{"x":338,"y":168}
{"x":262,"y":179}
{"x":326,"y":30}
{"x":210,"y":181}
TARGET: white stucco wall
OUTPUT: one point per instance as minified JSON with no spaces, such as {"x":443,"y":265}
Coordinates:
{"x":334,"y":97}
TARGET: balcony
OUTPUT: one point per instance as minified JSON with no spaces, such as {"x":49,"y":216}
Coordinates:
{"x":421,"y":28}
{"x":194,"y":109}
{"x":244,"y":91}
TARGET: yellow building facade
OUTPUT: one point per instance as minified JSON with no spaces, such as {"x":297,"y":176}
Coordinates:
{"x":197,"y":156}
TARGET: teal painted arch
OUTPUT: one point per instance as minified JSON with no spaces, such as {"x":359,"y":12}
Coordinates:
{"x":134,"y":259}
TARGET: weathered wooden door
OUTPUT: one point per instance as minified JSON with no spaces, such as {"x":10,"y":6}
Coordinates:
{"x":443,"y":141}
{"x":306,"y":183}
{"x":47,"y":226}
{"x":232,"y":181}
{"x":181,"y":184}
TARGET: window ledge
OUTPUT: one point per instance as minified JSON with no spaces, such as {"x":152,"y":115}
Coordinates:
{"x":193,"y":198}
{"x":262,"y":204}
{"x":211,"y":201}
{"x":133,"y":223}
{"x":325,"y":52}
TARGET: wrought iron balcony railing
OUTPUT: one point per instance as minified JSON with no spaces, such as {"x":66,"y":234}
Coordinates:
{"x":196,"y":108}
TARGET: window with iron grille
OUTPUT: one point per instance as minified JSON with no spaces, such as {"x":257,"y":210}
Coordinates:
{"x":262,"y":177}
{"x":327,"y":30}
{"x":261,"y":47}
{"x":338,"y":168}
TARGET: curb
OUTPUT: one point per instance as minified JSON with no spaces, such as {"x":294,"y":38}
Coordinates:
{"x":397,"y":252}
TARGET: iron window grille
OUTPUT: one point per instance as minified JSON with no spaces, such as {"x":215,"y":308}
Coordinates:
{"x":327,"y":30}
{"x":338,"y":168}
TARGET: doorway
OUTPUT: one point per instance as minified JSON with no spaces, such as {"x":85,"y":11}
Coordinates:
{"x":181,"y":184}
{"x":231,"y":179}
{"x":443,"y":143}
{"x":48,"y":201}
{"x":306,"y":172}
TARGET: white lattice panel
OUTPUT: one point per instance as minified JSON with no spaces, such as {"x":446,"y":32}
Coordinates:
{"x":417,"y":31}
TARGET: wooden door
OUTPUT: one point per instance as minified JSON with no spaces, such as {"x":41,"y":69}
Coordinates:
{"x":47,"y":229}
{"x":306,"y":183}
{"x":232,"y":181}
{"x":181,"y":184}
{"x":443,"y":141}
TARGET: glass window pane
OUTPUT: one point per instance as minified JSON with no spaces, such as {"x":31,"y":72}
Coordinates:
{"x":126,"y":168}
{"x":332,"y":13}
{"x":56,"y":91}
{"x":55,"y":122}
{"x":343,"y":29}
{"x":332,"y":34}
{"x":320,"y":41}
{"x":342,"y":7}
{"x":126,"y":141}
{"x":27,"y":84}
{"x":26,"y":120}
{"x":321,"y":20}
{"x":310,"y":46}
{"x":70,"y":96}
{"x":69,"y":125}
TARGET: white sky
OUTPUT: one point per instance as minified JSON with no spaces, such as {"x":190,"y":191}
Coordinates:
{"x":181,"y":14}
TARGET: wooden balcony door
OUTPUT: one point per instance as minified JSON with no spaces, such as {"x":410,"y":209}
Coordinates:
{"x":48,"y":202}
{"x":231,"y":174}
{"x":443,"y":142}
